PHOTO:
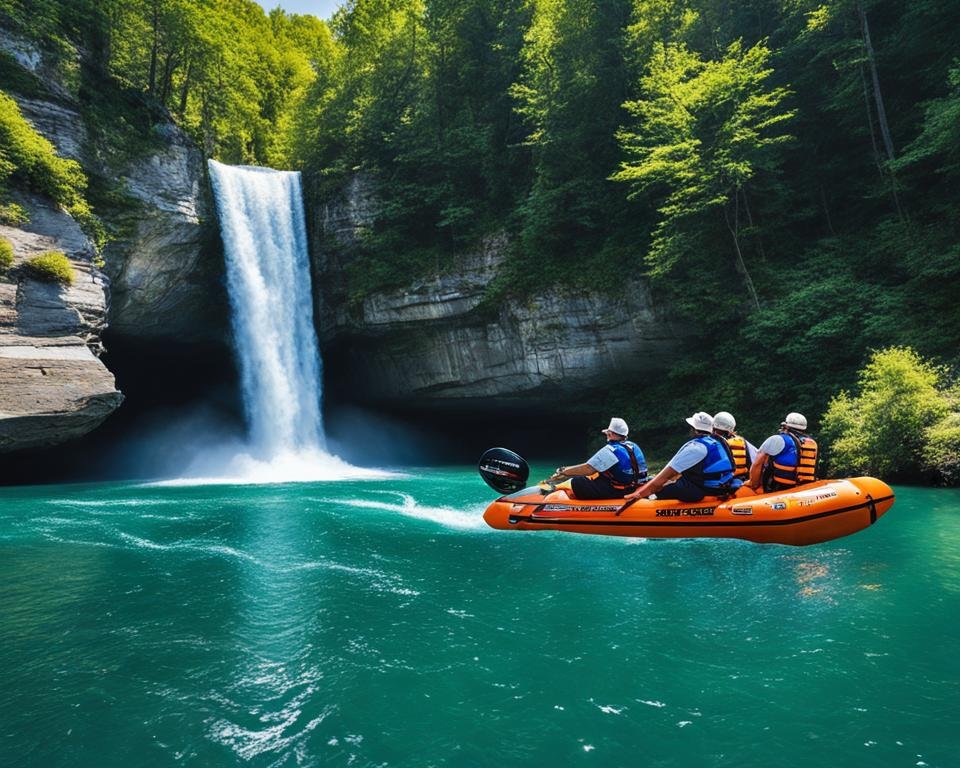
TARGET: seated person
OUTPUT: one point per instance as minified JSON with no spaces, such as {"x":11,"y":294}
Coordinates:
{"x":702,"y":467}
{"x":786,"y":459}
{"x":741,"y":449}
{"x":613,"y":471}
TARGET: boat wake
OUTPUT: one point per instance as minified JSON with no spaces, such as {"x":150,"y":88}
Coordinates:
{"x":410,"y":507}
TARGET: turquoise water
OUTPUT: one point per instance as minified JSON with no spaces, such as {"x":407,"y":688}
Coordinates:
{"x":382,"y":624}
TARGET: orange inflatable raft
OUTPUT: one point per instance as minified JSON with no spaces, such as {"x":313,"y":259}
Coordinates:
{"x":810,"y":514}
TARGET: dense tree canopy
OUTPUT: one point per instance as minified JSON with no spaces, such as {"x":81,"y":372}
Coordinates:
{"x":785,"y":173}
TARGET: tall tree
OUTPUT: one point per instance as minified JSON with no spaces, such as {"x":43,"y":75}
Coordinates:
{"x":703,"y":130}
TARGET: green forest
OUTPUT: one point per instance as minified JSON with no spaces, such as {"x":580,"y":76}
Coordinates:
{"x":785,"y":173}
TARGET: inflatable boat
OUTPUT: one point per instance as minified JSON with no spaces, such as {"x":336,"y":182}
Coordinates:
{"x":810,"y":514}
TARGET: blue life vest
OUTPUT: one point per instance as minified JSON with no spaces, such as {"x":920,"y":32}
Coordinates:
{"x":631,"y":467}
{"x":714,"y":472}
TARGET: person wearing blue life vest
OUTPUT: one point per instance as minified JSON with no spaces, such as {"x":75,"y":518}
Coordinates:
{"x":612,"y":472}
{"x":786,"y":459}
{"x":702,"y":467}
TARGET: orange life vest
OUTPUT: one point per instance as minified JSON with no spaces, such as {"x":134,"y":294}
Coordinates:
{"x":738,"y":451}
{"x":796,"y":464}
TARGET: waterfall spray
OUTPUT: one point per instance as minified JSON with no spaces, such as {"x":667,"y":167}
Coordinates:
{"x":271,"y":304}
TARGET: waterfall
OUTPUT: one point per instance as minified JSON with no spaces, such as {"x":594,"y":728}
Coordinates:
{"x":268,"y":280}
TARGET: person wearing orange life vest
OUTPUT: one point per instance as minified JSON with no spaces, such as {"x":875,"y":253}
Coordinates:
{"x":742,"y":450}
{"x":613,"y":471}
{"x":786,"y":459}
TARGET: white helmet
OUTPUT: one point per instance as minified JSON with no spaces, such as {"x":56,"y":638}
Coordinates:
{"x":725,"y":421}
{"x":618,"y":427}
{"x":796,"y":421}
{"x":700,"y":421}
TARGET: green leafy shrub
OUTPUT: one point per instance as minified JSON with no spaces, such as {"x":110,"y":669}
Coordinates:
{"x":51,"y":267}
{"x":883,"y":430}
{"x":6,"y":255}
{"x":941,"y":455}
{"x":29,"y":156}
{"x":12,"y":214}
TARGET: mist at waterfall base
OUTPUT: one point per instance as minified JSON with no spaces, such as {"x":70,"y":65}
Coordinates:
{"x":264,"y":237}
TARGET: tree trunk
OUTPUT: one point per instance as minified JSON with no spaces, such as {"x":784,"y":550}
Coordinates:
{"x":166,"y":83}
{"x":746,"y":207}
{"x":185,"y":87}
{"x":878,"y":161}
{"x":886,"y":172}
{"x":155,"y":49}
{"x":741,"y":264}
{"x":877,"y":94}
{"x":826,"y":211}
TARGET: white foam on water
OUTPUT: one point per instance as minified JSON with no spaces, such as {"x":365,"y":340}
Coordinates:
{"x":378,"y":581}
{"x":219,"y":550}
{"x":282,"y":729}
{"x":408,"y":505}
{"x":310,"y":466}
{"x":111,"y":502}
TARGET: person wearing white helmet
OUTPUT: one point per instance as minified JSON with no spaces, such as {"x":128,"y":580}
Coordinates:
{"x":702,"y":467}
{"x":616,"y":469}
{"x":786,"y":459}
{"x":742,"y":450}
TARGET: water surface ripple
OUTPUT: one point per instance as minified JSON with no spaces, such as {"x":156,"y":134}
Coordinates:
{"x":374,"y":624}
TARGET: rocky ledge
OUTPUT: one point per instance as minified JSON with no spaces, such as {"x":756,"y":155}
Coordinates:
{"x":53,"y":386}
{"x":437,"y":341}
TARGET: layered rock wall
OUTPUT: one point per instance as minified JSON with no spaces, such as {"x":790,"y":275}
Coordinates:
{"x":439,"y":340}
{"x":166,"y":266}
{"x":53,"y":385}
{"x":163,"y":261}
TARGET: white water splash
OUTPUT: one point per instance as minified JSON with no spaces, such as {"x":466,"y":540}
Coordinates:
{"x":268,"y":279}
{"x":409,"y":506}
{"x":242,"y":468}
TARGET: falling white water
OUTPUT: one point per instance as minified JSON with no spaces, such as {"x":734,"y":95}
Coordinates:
{"x":268,"y":280}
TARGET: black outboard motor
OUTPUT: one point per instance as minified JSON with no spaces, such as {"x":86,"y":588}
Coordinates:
{"x":503,"y":470}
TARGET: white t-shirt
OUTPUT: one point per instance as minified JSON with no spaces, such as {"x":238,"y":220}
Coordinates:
{"x":751,"y":452}
{"x":773,"y":445}
{"x":689,"y":454}
{"x":603,"y":459}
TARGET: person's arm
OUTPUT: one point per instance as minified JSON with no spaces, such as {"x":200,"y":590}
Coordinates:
{"x":601,"y":461}
{"x":756,"y":470}
{"x":664,"y":476}
{"x":579,"y":470}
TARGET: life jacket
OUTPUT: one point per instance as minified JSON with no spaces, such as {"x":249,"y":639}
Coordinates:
{"x":739,"y":454}
{"x":714,"y":472}
{"x":631,"y":467}
{"x":795,"y":465}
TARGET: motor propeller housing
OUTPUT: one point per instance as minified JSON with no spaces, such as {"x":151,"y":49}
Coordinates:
{"x":503,"y":470}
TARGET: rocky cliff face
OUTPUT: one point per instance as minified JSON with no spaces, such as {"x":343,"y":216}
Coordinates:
{"x":163,"y":262}
{"x":166,"y":266}
{"x":434,"y":341}
{"x":53,"y":386}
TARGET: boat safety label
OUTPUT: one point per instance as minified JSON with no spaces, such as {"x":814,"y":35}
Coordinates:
{"x":693,"y":512}
{"x":809,"y":500}
{"x":568,"y":508}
